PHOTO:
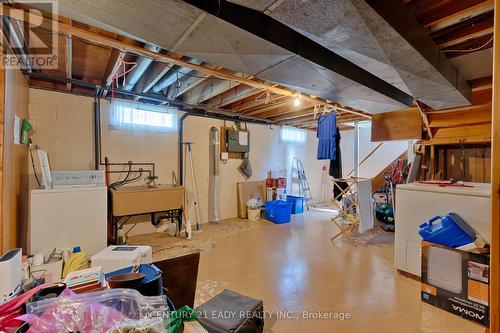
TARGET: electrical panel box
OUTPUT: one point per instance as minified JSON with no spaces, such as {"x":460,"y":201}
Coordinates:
{"x":78,"y":178}
{"x":238,"y":141}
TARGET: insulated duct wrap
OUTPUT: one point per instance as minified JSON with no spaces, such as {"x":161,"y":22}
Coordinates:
{"x":214,"y":186}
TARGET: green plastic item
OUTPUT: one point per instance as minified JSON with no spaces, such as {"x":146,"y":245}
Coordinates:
{"x":175,"y":321}
{"x":25,"y":128}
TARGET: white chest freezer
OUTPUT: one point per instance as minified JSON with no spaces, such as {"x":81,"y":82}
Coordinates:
{"x":418,"y":203}
{"x":68,"y":217}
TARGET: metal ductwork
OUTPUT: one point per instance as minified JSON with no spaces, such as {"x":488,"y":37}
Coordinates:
{"x":17,"y":42}
{"x":142,"y":66}
{"x":365,"y":59}
{"x":175,"y":73}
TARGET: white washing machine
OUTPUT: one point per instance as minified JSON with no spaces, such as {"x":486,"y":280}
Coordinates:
{"x":68,"y":216}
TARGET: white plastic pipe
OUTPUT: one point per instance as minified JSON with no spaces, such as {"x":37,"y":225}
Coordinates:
{"x":356,"y":149}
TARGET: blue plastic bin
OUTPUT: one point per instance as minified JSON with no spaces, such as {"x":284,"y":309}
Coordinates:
{"x":297,"y":203}
{"x":278,"y":211}
{"x":451,"y":231}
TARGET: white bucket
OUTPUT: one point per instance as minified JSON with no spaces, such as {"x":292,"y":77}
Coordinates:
{"x":253,"y":214}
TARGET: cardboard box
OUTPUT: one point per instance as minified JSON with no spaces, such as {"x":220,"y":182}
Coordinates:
{"x":280,"y":182}
{"x":456,"y":281}
{"x":270,"y":193}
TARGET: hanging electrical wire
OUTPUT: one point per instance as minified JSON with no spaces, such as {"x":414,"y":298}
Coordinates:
{"x":470,"y":50}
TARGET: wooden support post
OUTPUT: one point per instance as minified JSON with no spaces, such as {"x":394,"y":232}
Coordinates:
{"x":69,"y":60}
{"x":2,"y":147}
{"x":495,"y":182}
{"x":423,"y":163}
{"x":425,"y":120}
{"x":432,"y":163}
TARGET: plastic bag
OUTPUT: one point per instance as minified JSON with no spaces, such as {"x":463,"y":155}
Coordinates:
{"x":150,"y":325}
{"x":92,"y":312}
{"x":174,"y":322}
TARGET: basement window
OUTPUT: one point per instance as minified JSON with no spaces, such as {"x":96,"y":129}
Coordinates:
{"x":127,"y":115}
{"x":293,"y":135}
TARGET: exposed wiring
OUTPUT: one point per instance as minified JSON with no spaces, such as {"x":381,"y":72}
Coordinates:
{"x":471,"y":50}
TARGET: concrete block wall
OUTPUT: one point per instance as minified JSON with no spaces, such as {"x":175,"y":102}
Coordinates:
{"x":63,"y":126}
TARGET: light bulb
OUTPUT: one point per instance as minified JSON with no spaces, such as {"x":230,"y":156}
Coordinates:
{"x":296,"y":100}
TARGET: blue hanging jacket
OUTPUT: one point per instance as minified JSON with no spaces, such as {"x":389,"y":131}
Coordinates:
{"x":327,"y":131}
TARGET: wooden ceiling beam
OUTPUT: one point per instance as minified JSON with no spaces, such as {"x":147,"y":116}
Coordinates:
{"x":455,"y":12}
{"x":471,"y":28}
{"x":481,"y":82}
{"x":425,"y":120}
{"x":469,"y":46}
{"x":257,"y":101}
{"x":154,"y":74}
{"x":461,"y":108}
{"x":285,"y":102}
{"x":208,"y":90}
{"x":112,"y":68}
{"x":460,"y":118}
{"x":310,"y":119}
{"x":238,"y":92}
{"x":185,"y":86}
{"x":281,"y":112}
{"x":175,"y":59}
{"x":294,"y":114}
{"x":189,"y":83}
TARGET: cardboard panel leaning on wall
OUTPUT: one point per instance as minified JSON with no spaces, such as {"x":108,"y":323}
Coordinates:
{"x":15,"y":189}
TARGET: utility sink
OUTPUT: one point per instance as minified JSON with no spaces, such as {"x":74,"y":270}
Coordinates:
{"x":134,"y":200}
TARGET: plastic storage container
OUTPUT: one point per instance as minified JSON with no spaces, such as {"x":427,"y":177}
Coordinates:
{"x":451,"y":231}
{"x":278,"y":211}
{"x":297,"y":204}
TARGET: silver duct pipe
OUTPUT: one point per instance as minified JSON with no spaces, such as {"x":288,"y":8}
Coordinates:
{"x":142,"y":65}
{"x":214,"y":176}
{"x":174,"y":74}
{"x":18,"y":44}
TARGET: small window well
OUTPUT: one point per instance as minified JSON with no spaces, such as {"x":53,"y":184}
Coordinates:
{"x":293,"y":135}
{"x":131,"y":115}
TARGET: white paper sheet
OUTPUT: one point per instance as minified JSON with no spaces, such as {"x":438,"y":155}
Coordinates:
{"x":243,"y":138}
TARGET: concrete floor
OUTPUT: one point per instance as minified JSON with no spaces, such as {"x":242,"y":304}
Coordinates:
{"x":294,"y":268}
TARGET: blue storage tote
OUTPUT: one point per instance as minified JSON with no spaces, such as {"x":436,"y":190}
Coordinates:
{"x":278,"y":211}
{"x":451,"y":231}
{"x":297,"y":203}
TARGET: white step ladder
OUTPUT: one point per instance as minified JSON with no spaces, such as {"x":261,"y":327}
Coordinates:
{"x":299,"y":176}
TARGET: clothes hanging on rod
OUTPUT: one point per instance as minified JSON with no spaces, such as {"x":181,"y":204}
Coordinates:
{"x":327,"y":130}
{"x":335,"y":170}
